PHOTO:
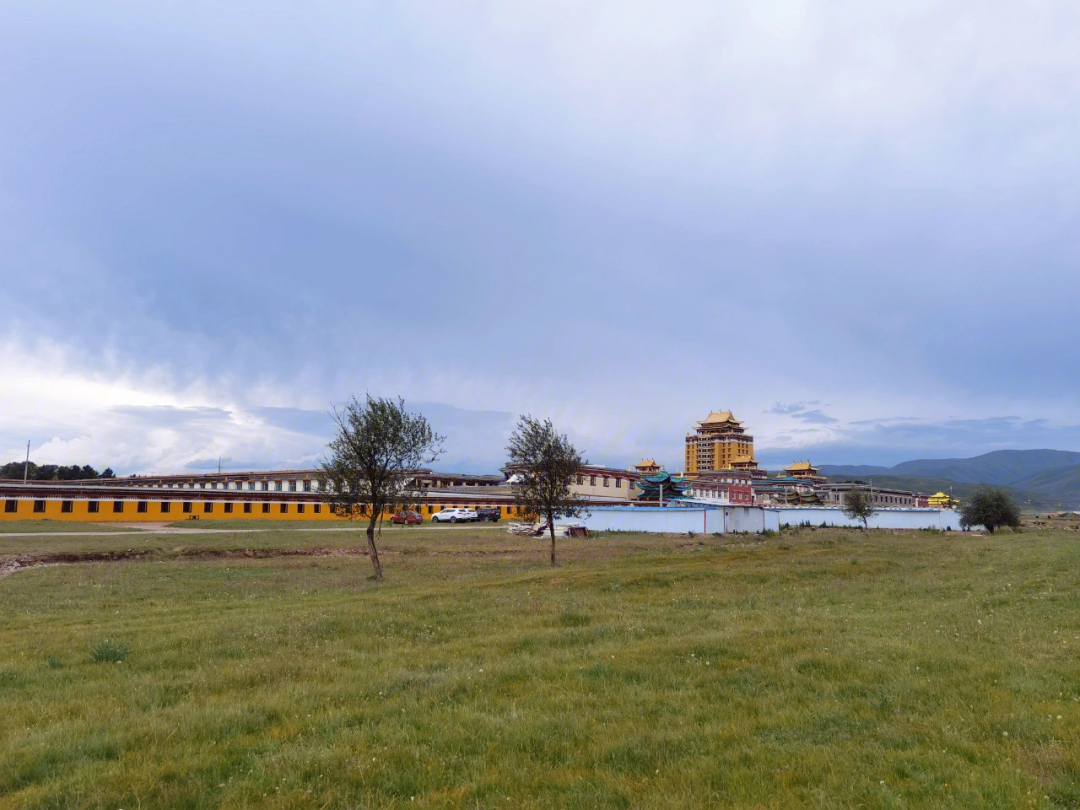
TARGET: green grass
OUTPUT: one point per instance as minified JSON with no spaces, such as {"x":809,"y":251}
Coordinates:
{"x":55,"y":526}
{"x":818,"y":668}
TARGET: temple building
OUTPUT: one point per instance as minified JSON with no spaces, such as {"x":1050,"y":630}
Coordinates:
{"x":647,"y":466}
{"x":720,"y":443}
{"x":804,"y":470}
{"x":662,"y":487}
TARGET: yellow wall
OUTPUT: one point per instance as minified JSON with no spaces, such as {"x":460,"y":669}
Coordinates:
{"x":80,"y":511}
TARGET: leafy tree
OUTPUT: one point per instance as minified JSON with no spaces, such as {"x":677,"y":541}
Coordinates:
{"x":543,"y":464}
{"x":50,"y":472}
{"x":990,"y":507}
{"x":859,"y":505}
{"x":378,"y":448}
{"x":107,"y":473}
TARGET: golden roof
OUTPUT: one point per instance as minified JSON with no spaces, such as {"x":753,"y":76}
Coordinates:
{"x":719,"y":418}
{"x":801,"y":465}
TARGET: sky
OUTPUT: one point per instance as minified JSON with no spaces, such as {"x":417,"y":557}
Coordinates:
{"x":856,"y":225}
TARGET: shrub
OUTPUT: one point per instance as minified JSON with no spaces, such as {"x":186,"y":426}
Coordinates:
{"x":110,"y":652}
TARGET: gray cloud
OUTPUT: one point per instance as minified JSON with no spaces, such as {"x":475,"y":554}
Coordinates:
{"x":615,"y":216}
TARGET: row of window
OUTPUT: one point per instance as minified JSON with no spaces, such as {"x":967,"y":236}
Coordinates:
{"x":187,"y":507}
{"x":252,"y":486}
{"x":165,"y":507}
{"x":592,"y":481}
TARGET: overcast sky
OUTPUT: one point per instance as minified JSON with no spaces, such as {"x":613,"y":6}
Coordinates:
{"x":854,"y":224}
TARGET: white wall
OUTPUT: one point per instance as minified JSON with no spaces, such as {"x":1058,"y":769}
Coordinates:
{"x":677,"y":520}
{"x":884,"y":519}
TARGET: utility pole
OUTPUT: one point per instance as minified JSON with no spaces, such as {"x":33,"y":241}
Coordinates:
{"x":26,"y":466}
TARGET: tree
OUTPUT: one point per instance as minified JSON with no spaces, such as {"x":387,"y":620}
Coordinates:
{"x":990,"y":507}
{"x":859,"y":505}
{"x":375,"y":456}
{"x":543,"y":464}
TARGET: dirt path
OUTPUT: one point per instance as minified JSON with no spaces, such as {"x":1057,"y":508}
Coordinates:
{"x":11,"y":563}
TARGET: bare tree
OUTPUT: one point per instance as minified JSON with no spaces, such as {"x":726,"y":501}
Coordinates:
{"x":859,"y":505}
{"x":375,"y":457}
{"x":543,"y":464}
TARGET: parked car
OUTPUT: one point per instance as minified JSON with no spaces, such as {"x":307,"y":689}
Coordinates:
{"x":454,"y":516}
{"x":405,"y":518}
{"x":488,"y":513}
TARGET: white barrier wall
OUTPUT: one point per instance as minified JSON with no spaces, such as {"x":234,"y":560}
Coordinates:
{"x":884,"y":519}
{"x":736,"y":519}
{"x":678,"y":520}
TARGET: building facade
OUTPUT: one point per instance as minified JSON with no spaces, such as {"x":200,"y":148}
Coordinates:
{"x":720,"y":443}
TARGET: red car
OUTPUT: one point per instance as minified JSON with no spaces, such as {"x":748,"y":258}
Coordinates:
{"x":407,"y":517}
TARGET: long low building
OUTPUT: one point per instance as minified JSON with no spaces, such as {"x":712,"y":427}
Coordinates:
{"x":118,"y":500}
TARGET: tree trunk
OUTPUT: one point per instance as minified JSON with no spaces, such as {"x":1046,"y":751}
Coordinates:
{"x":551,"y":530}
{"x":372,"y":551}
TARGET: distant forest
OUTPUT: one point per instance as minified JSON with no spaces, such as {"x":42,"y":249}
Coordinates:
{"x":52,"y":472}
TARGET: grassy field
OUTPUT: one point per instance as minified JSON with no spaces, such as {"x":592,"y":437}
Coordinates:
{"x":819,"y":669}
{"x":57,"y":527}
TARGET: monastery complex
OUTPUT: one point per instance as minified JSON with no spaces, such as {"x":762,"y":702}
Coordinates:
{"x":721,"y":470}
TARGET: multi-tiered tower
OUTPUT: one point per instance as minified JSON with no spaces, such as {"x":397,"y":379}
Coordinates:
{"x":720,"y":443}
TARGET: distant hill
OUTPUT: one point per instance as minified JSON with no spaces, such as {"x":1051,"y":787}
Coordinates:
{"x":1045,"y":478}
{"x":1005,"y":467}
{"x":929,"y":486}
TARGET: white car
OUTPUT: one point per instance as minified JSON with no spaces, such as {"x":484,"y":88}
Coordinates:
{"x":454,"y":516}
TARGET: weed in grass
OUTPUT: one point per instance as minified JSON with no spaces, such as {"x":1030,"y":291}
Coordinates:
{"x":110,"y":652}
{"x":54,"y":662}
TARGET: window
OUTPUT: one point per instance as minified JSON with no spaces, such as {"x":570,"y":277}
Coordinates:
{"x":207,"y":507}
{"x":318,"y":508}
{"x":117,"y":507}
{"x":92,"y":507}
{"x":141,"y":507}
{"x":284,"y":509}
{"x":39,"y":506}
{"x":277,"y":486}
{"x":607,"y":481}
{"x":166,"y":507}
{"x":592,"y":480}
{"x":228,"y":509}
{"x":292,"y":486}
{"x":247,"y":508}
{"x":300,"y":509}
{"x":618,"y":483}
{"x":430,"y":509}
{"x":307,"y":486}
{"x":581,"y":480}
{"x":11,"y":506}
{"x":187,"y":507}
{"x":67,"y":506}
{"x":251,"y":485}
{"x":265,"y":508}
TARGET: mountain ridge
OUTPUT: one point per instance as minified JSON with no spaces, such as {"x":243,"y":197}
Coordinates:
{"x":1044,"y":478}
